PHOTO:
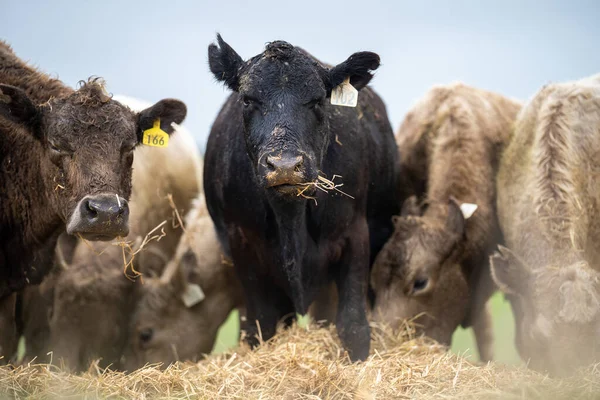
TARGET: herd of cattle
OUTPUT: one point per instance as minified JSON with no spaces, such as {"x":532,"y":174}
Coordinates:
{"x":475,"y":192}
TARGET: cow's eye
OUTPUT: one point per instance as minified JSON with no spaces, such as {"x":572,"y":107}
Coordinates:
{"x":419,"y":285}
{"x":58,"y":154}
{"x":249,"y":102}
{"x":58,"y":149}
{"x":146,"y":335}
{"x":314,"y":103}
{"x":55,"y":148}
{"x":128,"y":148}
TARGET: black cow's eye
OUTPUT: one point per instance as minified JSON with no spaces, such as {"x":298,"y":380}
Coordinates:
{"x":250,"y":102}
{"x":146,"y":335}
{"x":314,"y":103}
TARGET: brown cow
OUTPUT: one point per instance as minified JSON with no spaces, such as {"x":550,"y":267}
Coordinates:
{"x":65,"y":163}
{"x":548,"y":207}
{"x":177,"y":316}
{"x":436,"y":263}
{"x":94,"y":284}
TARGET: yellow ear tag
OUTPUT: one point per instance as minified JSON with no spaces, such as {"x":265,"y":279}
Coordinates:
{"x":155,"y":136}
{"x":344,"y":94}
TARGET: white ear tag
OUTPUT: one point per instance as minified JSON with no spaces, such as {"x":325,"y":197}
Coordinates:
{"x":468,"y":209}
{"x":193,"y":295}
{"x":344,"y":94}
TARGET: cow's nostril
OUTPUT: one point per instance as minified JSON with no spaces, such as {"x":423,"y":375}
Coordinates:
{"x":271,"y":163}
{"x":122,"y":207}
{"x":298,"y":166}
{"x":93,"y":210}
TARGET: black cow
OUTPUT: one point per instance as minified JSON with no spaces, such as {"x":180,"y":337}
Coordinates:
{"x":274,"y":134}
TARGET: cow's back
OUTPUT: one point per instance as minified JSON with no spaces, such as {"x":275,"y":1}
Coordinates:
{"x":486,"y":119}
{"x":547,"y":191}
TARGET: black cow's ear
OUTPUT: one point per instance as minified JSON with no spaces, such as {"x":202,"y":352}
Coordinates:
{"x":225,"y":63}
{"x":17,"y":107}
{"x":357,"y":67}
{"x":167,"y":110}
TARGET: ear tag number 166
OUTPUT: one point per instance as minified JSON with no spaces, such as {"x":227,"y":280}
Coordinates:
{"x":155,"y":136}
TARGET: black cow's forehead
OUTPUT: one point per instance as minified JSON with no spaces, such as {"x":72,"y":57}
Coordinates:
{"x":265,"y":74}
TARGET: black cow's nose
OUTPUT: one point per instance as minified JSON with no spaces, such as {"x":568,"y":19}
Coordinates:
{"x":285,"y":164}
{"x":100,"y":217}
{"x":284,"y":171}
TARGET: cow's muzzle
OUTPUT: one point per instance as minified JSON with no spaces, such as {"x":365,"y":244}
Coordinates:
{"x":100,"y":217}
{"x":284,"y":172}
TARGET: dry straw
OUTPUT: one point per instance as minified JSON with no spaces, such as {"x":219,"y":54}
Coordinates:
{"x":323,"y":184}
{"x":307,"y":363}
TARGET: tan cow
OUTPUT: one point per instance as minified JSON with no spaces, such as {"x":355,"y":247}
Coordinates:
{"x":435,"y":265}
{"x":549,"y":208}
{"x":178,"y":314}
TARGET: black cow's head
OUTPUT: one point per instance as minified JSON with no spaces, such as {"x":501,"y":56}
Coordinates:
{"x":87,"y":142}
{"x":284,"y":92}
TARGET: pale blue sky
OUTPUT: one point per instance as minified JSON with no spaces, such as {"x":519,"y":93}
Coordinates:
{"x":156,"y":49}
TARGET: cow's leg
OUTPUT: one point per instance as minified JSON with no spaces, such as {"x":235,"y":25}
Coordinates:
{"x":266,"y":306}
{"x":484,"y":335}
{"x":8,"y":328}
{"x":352,"y":281}
{"x":265,"y":303}
{"x":480,"y":315}
{"x":324,"y":306}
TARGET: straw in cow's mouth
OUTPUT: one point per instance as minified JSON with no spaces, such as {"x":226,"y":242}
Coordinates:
{"x":323,"y":184}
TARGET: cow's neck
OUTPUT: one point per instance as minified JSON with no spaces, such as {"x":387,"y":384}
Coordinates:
{"x":25,"y":200}
{"x":293,"y":236}
{"x":38,"y":86}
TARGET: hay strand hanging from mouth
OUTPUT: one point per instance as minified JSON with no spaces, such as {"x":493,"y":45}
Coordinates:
{"x":150,"y":236}
{"x":323,"y":184}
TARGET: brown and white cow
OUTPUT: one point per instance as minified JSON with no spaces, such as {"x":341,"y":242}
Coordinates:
{"x":435,"y":265}
{"x":549,"y":209}
{"x":92,"y":297}
{"x":177,"y":315}
{"x":65,"y":164}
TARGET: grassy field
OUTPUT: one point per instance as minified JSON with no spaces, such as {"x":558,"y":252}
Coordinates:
{"x":463,"y":342}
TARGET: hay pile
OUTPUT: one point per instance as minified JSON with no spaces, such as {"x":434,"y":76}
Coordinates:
{"x":307,"y":363}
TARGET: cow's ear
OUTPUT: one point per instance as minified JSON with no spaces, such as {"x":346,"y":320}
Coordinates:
{"x":410,"y":207}
{"x":357,"y":67}
{"x":17,"y":107}
{"x":509,"y":272}
{"x":455,"y":221}
{"x":225,"y":63}
{"x":191,"y":293}
{"x":167,"y":110}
